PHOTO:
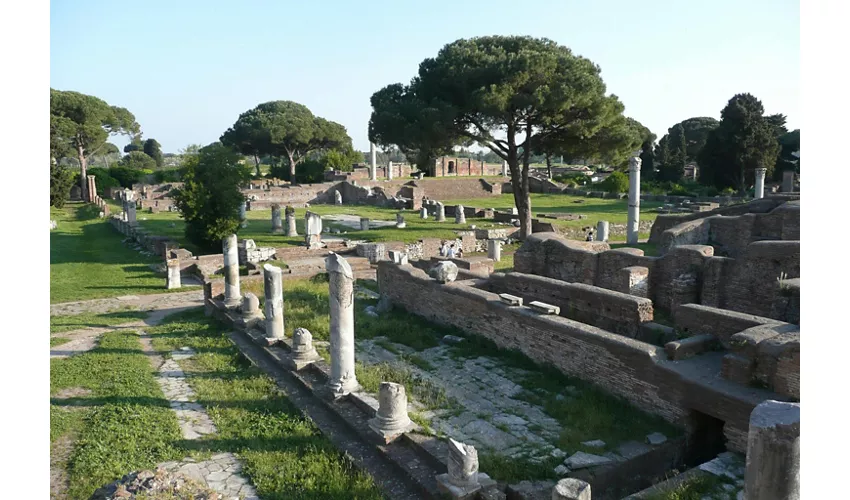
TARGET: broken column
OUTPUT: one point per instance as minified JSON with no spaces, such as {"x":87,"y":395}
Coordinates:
{"x":243,"y":214}
{"x":423,"y":213}
{"x":441,"y":212}
{"x":634,"y":201}
{"x":273,"y":291}
{"x":341,"y":287}
{"x":460,"y":217}
{"x":505,"y":168}
{"x":602,"y":229}
{"x":364,"y":224}
{"x":313,"y":223}
{"x":571,"y":489}
{"x":390,"y":171}
{"x":759,"y":191}
{"x":172,"y":279}
{"x":277,"y":223}
{"x":232,"y":297}
{"x":337,"y":198}
{"x":399,"y":221}
{"x":251,"y":315}
{"x":131,"y":212}
{"x":788,"y":181}
{"x":91,"y":188}
{"x":290,"y":222}
{"x":373,"y":164}
{"x":773,"y":452}
{"x":444,"y":272}
{"x":303,"y":352}
{"x":494,"y":250}
{"x":391,"y":420}
{"x":463,"y":478}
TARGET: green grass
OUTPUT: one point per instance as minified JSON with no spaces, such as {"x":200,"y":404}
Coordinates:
{"x":60,"y":324}
{"x":284,"y":454}
{"x":125,"y":424}
{"x":429,"y":395}
{"x":511,"y":470}
{"x":693,"y":489}
{"x":88,"y":260}
{"x":54,"y":341}
{"x":259,"y":228}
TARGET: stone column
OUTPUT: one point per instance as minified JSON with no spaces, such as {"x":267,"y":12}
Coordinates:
{"x":462,"y":479}
{"x":131,"y":212}
{"x":571,"y":489}
{"x":364,"y":224}
{"x":390,"y":171}
{"x":314,"y":230}
{"x":399,"y":221}
{"x":251,"y":315}
{"x":243,"y":214}
{"x":443,"y":166}
{"x":602,"y":230}
{"x":460,"y":217}
{"x":788,"y":181}
{"x":232,"y":297}
{"x":441,"y":212}
{"x":277,"y":223}
{"x":91,"y":188}
{"x":494,"y":250}
{"x":391,"y":420}
{"x":373,"y":164}
{"x":760,"y":173}
{"x":634,"y":201}
{"x":290,"y":222}
{"x":303,"y":352}
{"x":337,"y":198}
{"x":773,"y":452}
{"x":273,"y":291}
{"x":505,"y":168}
{"x":342,"y":380}
{"x":173,"y":274}
{"x":423,"y":213}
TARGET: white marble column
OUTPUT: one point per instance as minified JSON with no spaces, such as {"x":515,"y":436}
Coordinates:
{"x":390,"y":171}
{"x":273,"y":291}
{"x":460,"y":217}
{"x":341,"y":287}
{"x":633,"y":224}
{"x":760,"y":173}
{"x":773,"y":452}
{"x":232,"y":296}
{"x":494,"y":250}
{"x":277,"y":223}
{"x":173,"y":276}
{"x":441,"y":212}
{"x":602,"y":229}
{"x":505,"y":168}
{"x":373,"y":164}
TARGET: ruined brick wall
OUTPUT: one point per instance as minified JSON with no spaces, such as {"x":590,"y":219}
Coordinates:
{"x":667,"y":221}
{"x":614,"y":362}
{"x":610,"y":263}
{"x":676,"y":277}
{"x":547,"y":254}
{"x":156,"y":205}
{"x":612,"y":311}
{"x":752,"y":285}
{"x":297,"y":196}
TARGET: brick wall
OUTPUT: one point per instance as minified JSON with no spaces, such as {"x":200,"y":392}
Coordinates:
{"x":606,"y":309}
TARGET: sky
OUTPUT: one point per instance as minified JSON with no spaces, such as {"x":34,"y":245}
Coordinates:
{"x":187,"y":69}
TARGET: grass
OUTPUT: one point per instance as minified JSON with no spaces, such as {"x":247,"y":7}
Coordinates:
{"x":88,"y":260}
{"x":54,"y":341}
{"x":693,"y":489}
{"x":125,"y":423}
{"x":510,"y":470}
{"x":259,"y":229}
{"x":284,"y":453}
{"x":429,"y":395}
{"x":60,"y":324}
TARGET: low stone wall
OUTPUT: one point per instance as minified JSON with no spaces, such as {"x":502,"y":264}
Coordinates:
{"x":613,"y":311}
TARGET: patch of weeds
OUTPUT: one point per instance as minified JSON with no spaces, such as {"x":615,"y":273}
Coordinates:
{"x":422,"y":391}
{"x":64,"y":421}
{"x":60,"y":324}
{"x":368,"y":284}
{"x":693,"y":489}
{"x":54,"y":341}
{"x":421,"y":421}
{"x":399,"y":327}
{"x":509,"y":469}
{"x":387,"y":345}
{"x":502,"y":427}
{"x":419,"y":362}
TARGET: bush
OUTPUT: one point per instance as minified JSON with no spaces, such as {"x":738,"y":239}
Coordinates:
{"x":617,"y":182}
{"x":574,"y":179}
{"x":103,"y":180}
{"x":126,"y":176}
{"x":61,"y":180}
{"x":137,"y":160}
{"x":168,"y":175}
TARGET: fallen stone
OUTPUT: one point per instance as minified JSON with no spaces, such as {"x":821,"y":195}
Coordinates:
{"x":562,"y":470}
{"x":444,"y":272}
{"x":596,"y":443}
{"x":452,"y":339}
{"x":558,"y":453}
{"x":656,"y":438}
{"x":582,"y":460}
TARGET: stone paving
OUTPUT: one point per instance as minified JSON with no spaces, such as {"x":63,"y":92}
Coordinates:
{"x":139,"y":302}
{"x":222,"y":472}
{"x":193,"y":419}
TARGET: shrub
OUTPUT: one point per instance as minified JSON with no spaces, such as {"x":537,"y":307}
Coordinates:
{"x":126,"y":176}
{"x":168,"y":175}
{"x":103,"y":179}
{"x":617,"y":182}
{"x":137,"y":160}
{"x":61,"y":180}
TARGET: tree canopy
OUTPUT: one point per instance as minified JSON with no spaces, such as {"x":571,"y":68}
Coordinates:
{"x":695,"y":131}
{"x":508,"y":93}
{"x":82,"y":123}
{"x":284,"y":129}
{"x":154,"y":150}
{"x":138,"y":161}
{"x":744,"y":140}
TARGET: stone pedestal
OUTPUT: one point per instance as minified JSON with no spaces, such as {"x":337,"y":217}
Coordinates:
{"x":773,"y":452}
{"x":634,"y":201}
{"x":314,"y":230}
{"x":341,"y":286}
{"x":460,"y":217}
{"x":273,"y":292}
{"x":277,"y":223}
{"x":441,"y":212}
{"x":303,"y":352}
{"x":759,"y":191}
{"x":364,"y":224}
{"x":373,"y":164}
{"x":251,"y":315}
{"x":173,"y":274}
{"x":290,"y":225}
{"x":494,"y":250}
{"x":391,"y":420}
{"x":602,"y":230}
{"x":232,"y":297}
{"x":399,"y":221}
{"x":463,"y":480}
{"x":571,"y":489}
{"x":423,"y":213}
{"x":788,"y":181}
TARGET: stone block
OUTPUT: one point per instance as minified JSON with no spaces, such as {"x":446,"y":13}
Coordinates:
{"x":511,"y":300}
{"x":544,"y":308}
{"x":737,"y":368}
{"x":691,"y":346}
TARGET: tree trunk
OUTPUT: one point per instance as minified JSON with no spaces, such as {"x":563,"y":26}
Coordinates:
{"x":549,"y":166}
{"x":83,"y":181}
{"x":257,"y":161}
{"x":519,"y":183}
{"x":291,"y":169}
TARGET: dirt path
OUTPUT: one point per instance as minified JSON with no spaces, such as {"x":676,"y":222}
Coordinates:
{"x":139,"y":302}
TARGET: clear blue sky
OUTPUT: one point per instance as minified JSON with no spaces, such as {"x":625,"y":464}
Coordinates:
{"x":187,"y":69}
